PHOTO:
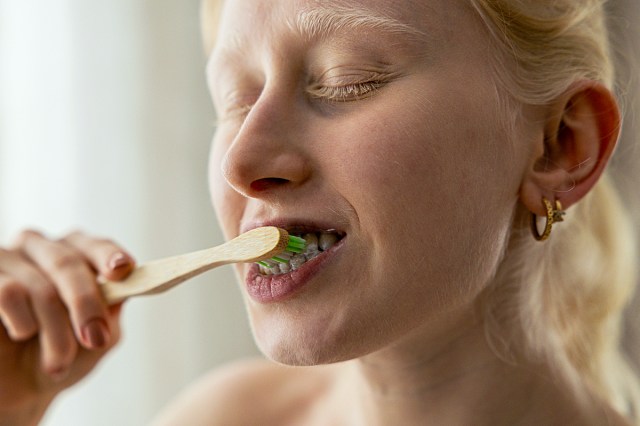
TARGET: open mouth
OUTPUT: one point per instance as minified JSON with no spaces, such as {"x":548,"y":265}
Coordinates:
{"x":316,"y":243}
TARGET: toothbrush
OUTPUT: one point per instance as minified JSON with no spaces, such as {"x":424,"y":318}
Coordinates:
{"x":257,"y":245}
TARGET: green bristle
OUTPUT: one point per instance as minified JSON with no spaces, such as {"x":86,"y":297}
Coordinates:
{"x":296,"y":242}
{"x":295,"y":245}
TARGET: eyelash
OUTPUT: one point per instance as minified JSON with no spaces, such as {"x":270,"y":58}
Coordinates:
{"x":347,"y":92}
{"x":236,"y":110}
{"x":344,"y":93}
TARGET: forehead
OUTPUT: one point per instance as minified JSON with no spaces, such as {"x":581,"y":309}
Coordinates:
{"x":245,"y":20}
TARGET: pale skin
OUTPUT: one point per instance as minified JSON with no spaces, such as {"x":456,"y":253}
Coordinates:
{"x":420,"y":173}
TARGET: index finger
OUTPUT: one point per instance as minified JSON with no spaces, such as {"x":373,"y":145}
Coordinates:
{"x":105,"y":256}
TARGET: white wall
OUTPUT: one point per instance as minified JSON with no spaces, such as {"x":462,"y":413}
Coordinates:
{"x":104,"y":125}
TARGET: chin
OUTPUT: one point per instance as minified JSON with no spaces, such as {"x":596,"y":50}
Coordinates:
{"x":301,"y":343}
{"x":298,"y":353}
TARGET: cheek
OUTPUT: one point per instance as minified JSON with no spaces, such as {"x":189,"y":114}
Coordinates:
{"x":412,"y":162}
{"x":434,"y":175}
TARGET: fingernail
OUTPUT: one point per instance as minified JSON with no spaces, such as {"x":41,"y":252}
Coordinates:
{"x":117,"y":261}
{"x":95,"y":333}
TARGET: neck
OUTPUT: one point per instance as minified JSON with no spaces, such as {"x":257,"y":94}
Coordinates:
{"x":438,"y":376}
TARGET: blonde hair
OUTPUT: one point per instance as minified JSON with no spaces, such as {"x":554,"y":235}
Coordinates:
{"x":564,"y":299}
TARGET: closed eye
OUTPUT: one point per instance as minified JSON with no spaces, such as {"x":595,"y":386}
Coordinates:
{"x":237,"y":106}
{"x":346,"y":92}
{"x":235,"y":113}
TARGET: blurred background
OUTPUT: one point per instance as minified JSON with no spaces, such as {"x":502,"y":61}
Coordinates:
{"x":105,"y":125}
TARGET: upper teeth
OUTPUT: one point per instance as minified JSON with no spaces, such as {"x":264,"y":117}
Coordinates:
{"x":327,"y":240}
{"x":316,"y":243}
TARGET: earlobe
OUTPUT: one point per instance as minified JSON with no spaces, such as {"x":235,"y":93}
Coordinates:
{"x":580,"y":134}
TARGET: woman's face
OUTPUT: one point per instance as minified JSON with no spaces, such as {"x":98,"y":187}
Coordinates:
{"x":376,"y":122}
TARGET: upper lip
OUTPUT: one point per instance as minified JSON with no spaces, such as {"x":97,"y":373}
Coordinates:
{"x":294,"y":225}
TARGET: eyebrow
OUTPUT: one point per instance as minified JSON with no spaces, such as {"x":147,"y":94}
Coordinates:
{"x":323,"y":21}
{"x":329,"y":18}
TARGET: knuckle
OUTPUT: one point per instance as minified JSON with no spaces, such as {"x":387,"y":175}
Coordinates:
{"x":12,"y":260}
{"x":27,"y":235}
{"x":47,"y":294}
{"x":86,"y":239}
{"x":107,"y":242}
{"x":73,"y":235}
{"x":22,"y":331}
{"x":11,"y":292}
{"x":66,"y":260}
{"x":103,"y":244}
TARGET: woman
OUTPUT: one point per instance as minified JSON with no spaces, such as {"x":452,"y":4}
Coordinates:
{"x":419,"y":141}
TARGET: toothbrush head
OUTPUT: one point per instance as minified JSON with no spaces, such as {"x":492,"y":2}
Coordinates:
{"x":294,"y":246}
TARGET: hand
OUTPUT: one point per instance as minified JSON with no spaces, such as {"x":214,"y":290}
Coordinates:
{"x":54,"y":323}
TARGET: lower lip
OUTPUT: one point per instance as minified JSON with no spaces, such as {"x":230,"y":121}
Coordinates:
{"x":276,"y":288}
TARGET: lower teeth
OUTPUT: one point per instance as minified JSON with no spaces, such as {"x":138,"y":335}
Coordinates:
{"x":315,"y":246}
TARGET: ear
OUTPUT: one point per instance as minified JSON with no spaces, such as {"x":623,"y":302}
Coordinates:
{"x":580,"y":134}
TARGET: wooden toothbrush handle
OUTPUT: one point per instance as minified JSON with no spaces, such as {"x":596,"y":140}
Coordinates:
{"x":160,"y":275}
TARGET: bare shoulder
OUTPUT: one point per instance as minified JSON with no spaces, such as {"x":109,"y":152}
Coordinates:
{"x":246,"y":392}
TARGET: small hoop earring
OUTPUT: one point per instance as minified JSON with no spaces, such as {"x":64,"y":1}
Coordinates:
{"x":553,"y":216}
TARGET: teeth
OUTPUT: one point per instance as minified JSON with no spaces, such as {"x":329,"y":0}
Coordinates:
{"x":297,"y":261}
{"x":284,"y":268}
{"x":312,"y":241}
{"x":316,"y":243}
{"x":327,"y":240}
{"x":266,"y":271}
{"x":311,"y":254}
{"x":284,"y":256}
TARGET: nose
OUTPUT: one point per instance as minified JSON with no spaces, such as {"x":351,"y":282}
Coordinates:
{"x":267,"y":154}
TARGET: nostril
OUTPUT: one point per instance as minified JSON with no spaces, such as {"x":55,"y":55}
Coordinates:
{"x":267,"y":183}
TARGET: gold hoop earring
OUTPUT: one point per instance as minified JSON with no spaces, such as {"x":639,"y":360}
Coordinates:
{"x":553,"y":216}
